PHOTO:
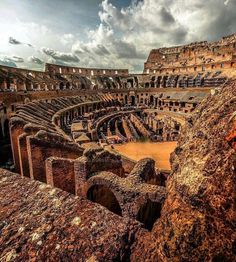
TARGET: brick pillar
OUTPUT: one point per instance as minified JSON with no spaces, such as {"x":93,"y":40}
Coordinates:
{"x":16,"y":129}
{"x":5,"y":84}
{"x":23,"y":155}
{"x":60,"y":173}
{"x":40,"y":150}
{"x":81,"y":173}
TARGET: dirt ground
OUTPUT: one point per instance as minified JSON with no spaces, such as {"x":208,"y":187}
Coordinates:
{"x":160,"y":152}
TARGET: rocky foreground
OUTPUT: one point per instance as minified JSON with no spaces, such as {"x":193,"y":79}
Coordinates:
{"x":198,"y":219}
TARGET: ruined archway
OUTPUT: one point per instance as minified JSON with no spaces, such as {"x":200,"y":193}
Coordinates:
{"x":1,"y":132}
{"x":126,"y":99}
{"x":151,"y":99}
{"x":149,"y":213}
{"x":6,"y":129}
{"x":105,"y":197}
{"x":61,"y":85}
{"x":132,"y":100}
{"x":68,"y":85}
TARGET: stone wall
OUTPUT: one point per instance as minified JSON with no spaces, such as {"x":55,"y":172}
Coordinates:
{"x":192,"y":58}
{"x":198,"y":217}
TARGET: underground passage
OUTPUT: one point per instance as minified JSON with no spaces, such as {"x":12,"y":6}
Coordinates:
{"x":104,"y":196}
{"x":149,"y":213}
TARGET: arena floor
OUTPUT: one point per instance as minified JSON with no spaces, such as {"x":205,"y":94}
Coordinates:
{"x":160,"y":151}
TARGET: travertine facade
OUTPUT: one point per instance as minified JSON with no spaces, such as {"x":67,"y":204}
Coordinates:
{"x":199,"y":57}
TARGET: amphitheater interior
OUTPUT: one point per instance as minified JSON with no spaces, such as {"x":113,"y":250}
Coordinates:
{"x":68,"y":194}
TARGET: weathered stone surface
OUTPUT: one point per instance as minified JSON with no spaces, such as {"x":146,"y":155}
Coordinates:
{"x":198,"y":219}
{"x":41,"y":223}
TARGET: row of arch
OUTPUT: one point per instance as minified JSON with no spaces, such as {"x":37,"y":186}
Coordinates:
{"x":134,"y":99}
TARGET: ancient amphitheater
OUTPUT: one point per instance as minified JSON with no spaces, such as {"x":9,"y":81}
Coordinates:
{"x":74,"y":197}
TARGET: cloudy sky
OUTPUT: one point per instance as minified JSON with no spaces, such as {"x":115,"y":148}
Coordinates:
{"x":108,"y":33}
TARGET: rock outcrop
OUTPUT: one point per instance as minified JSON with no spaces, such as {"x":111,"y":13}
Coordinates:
{"x":198,"y":219}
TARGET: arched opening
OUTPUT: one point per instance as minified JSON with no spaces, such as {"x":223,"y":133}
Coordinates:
{"x":133,"y":100}
{"x":151,"y":100}
{"x":131,"y":83}
{"x":6,"y":129}
{"x":5,"y":146}
{"x":1,"y":132}
{"x":104,"y":196}
{"x":149,"y":213}
{"x":61,"y":85}
{"x":67,"y":85}
{"x":156,"y":102}
{"x":126,"y":99}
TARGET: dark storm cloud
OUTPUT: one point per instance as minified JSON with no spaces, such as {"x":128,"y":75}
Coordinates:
{"x":35,"y":60}
{"x":13,"y":41}
{"x":221,"y":19}
{"x":179,"y":35}
{"x":166,"y":16}
{"x":127,"y":50}
{"x":16,"y":59}
{"x":101,"y":50}
{"x":97,"y":49}
{"x":65,"y":57}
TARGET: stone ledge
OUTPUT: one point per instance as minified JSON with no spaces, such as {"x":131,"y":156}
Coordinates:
{"x":41,"y":222}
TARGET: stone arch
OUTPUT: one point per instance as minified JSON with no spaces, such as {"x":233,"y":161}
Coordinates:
{"x":126,"y":99}
{"x":102,"y":195}
{"x":6,"y":129}
{"x":151,"y":99}
{"x":61,"y":85}
{"x":148,"y":213}
{"x":133,"y":100}
{"x":1,"y":132}
{"x":68,"y":85}
{"x":156,"y":101}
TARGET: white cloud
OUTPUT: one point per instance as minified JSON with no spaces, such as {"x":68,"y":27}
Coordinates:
{"x":61,"y":56}
{"x":67,"y":39}
{"x":124,"y":36}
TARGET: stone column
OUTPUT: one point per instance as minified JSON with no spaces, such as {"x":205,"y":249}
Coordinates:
{"x":16,"y":129}
{"x":60,"y":173}
{"x":81,"y":174}
{"x":23,"y":155}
